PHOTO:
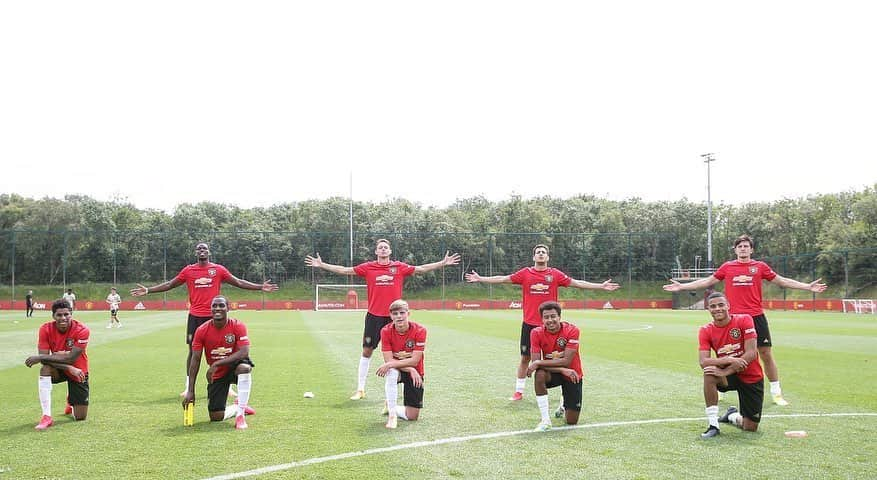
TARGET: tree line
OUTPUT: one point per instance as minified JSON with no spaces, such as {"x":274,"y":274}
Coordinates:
{"x":78,"y":237}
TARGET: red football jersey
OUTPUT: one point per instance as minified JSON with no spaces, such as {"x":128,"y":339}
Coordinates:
{"x":54,"y":341}
{"x":728,"y":341}
{"x":538,"y":286}
{"x":545,"y":345}
{"x":383,"y":284}
{"x":220,"y":343}
{"x":743,"y":284}
{"x":403,"y":345}
{"x":203,"y":283}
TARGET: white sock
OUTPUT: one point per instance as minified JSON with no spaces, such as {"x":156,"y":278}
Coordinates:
{"x":44,"y":386}
{"x":245,"y":384}
{"x":400,"y":412}
{"x":391,"y":389}
{"x":712,"y":415}
{"x":775,"y":388}
{"x":542,"y":402}
{"x":362,"y":373}
{"x":230,"y":411}
{"x":736,"y":419}
{"x":187,"y":384}
{"x":520,"y":384}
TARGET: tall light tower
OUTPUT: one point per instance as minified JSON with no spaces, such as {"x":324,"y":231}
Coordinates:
{"x":707,"y":159}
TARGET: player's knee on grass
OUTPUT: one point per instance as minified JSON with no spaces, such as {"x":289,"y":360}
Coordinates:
{"x":412,"y":413}
{"x":749,"y":425}
{"x":80,"y":412}
{"x":571,"y":416}
{"x":217,"y":416}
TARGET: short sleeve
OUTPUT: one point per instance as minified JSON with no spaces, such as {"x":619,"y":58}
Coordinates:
{"x":519,"y":276}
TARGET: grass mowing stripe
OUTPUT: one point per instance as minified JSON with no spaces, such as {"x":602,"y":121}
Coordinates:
{"x":134,"y":429}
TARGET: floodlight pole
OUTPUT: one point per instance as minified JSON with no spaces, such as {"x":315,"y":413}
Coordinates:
{"x":707,"y":159}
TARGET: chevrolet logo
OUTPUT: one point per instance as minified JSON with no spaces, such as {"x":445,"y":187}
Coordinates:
{"x":203,"y":281}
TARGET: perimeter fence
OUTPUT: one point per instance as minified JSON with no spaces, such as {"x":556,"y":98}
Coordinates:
{"x":61,"y":258}
{"x":56,"y":259}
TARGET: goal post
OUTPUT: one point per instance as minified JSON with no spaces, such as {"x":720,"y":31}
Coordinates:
{"x":340,"y":298}
{"x":859,"y":305}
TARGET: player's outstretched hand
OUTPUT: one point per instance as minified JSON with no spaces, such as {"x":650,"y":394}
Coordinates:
{"x":673,"y":286}
{"x":139,"y":291}
{"x":451,"y":259}
{"x":473,"y":277}
{"x":817,"y":287}
{"x":267,"y":286}
{"x":315,"y":262}
{"x":610,"y":285}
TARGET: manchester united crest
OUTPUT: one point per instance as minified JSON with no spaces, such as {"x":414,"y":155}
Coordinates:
{"x":561,"y":342}
{"x":549,"y":278}
{"x":211,"y":272}
{"x":229,"y":338}
{"x":753,"y":270}
{"x":735,"y":333}
{"x":409,"y":344}
{"x":68,"y":343}
{"x":392,"y":270}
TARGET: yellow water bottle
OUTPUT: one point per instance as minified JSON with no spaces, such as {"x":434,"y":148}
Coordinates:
{"x":189,"y":414}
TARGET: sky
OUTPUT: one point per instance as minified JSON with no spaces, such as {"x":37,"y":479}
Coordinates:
{"x":259,"y":103}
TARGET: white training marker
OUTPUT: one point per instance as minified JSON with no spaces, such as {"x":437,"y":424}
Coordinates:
{"x":309,"y":395}
{"x":796,"y":434}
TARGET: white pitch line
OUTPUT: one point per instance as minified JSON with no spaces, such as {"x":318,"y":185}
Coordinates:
{"x":644,"y":327}
{"x":483,"y":436}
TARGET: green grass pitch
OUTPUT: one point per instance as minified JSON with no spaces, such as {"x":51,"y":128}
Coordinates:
{"x":642,"y":413}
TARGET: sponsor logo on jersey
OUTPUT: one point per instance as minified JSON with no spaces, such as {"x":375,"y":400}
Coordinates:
{"x":229,"y":338}
{"x":401,"y":355}
{"x":728,"y":350}
{"x":735,"y":333}
{"x":539,"y":287}
{"x":742,"y":279}
{"x":203,"y":281}
{"x":220,"y":352}
{"x":384,"y":278}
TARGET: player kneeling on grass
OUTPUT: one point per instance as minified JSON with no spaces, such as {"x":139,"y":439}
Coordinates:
{"x":228,"y":354}
{"x":554,"y":353}
{"x":402,"y":344}
{"x":61,"y":350}
{"x":735,"y":366}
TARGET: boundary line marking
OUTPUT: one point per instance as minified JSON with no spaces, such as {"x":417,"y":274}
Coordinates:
{"x":644,"y":327}
{"x":483,"y":436}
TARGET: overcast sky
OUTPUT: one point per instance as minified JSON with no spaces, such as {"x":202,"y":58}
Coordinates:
{"x":257,"y":103}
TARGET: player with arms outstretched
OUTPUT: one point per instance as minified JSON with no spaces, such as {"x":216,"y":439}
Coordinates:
{"x":384,"y":279}
{"x":204,"y":281}
{"x":743,"y":278}
{"x":539,"y":284}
